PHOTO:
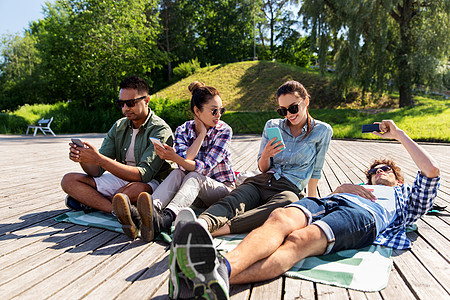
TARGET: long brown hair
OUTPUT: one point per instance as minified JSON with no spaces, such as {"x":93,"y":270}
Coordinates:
{"x":297,"y":89}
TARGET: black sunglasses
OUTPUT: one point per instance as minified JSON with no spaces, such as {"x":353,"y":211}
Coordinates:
{"x":293,"y":109}
{"x":384,"y":168}
{"x":216,"y":110}
{"x":129,"y":103}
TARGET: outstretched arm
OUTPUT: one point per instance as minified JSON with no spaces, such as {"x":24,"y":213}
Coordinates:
{"x":427,"y":165}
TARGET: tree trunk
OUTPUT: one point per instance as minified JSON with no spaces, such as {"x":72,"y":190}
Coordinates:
{"x":403,"y":58}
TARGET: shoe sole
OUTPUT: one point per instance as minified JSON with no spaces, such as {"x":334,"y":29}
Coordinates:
{"x":185,"y":215}
{"x":122,"y":211}
{"x":145,"y":209}
{"x":197,"y":259}
{"x":174,"y":282}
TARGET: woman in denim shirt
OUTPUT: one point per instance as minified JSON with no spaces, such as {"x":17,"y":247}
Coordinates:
{"x":285,"y":173}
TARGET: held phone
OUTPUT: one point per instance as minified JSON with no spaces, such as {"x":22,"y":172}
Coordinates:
{"x":156,"y":141}
{"x":275,"y":132}
{"x":78,"y":142}
{"x":370,"y":128}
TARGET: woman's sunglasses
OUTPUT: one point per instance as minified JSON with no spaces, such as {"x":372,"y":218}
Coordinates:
{"x":129,"y":103}
{"x":293,"y":109}
{"x":375,"y":170}
{"x":215,"y":111}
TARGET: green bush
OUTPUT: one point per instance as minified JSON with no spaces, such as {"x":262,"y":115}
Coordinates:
{"x":186,"y":69}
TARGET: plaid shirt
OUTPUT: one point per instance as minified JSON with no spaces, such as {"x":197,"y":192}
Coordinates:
{"x":412,"y":203}
{"x":214,"y":157}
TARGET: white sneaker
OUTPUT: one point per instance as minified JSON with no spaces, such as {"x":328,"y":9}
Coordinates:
{"x":184,"y":216}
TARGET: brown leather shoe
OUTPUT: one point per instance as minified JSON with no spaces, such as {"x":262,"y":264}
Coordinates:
{"x":127,"y":215}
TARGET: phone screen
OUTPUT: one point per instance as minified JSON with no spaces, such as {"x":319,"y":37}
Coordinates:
{"x":275,"y":132}
{"x":156,"y":141}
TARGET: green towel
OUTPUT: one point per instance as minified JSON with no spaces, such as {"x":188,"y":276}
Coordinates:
{"x":365,"y":269}
{"x":101,"y":220}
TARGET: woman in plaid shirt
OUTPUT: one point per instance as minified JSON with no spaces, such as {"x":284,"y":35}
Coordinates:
{"x":202,"y":152}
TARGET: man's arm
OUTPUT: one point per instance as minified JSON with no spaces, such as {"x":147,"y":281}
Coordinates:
{"x":90,"y":160}
{"x":427,"y":165}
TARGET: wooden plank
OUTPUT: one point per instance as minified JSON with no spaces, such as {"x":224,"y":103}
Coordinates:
{"x":119,"y":281}
{"x":151,"y":279}
{"x":328,"y":292}
{"x":44,"y":270}
{"x":271,"y":289}
{"x":298,"y":289}
{"x":75,"y":270}
{"x":101,"y":273}
{"x":397,"y":288}
{"x":423,"y":284}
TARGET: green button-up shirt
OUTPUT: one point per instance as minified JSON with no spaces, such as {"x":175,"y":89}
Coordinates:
{"x":118,"y":139}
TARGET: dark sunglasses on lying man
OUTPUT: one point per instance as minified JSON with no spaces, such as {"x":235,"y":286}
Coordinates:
{"x":293,"y":109}
{"x":129,"y":103}
{"x":383,"y":168}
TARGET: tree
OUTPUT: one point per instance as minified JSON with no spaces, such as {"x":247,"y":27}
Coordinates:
{"x":88,"y":46}
{"x":385,"y":42}
{"x":19,"y":76}
{"x":273,"y":12}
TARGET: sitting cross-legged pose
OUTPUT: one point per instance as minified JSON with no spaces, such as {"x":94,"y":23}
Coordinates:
{"x":126,"y":154}
{"x":287,"y":168}
{"x":349,"y":218}
{"x":202,"y":152}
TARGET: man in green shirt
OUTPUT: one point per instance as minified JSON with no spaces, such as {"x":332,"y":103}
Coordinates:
{"x":127,"y":154}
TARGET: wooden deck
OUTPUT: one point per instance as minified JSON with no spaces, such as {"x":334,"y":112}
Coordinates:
{"x":41,"y":258}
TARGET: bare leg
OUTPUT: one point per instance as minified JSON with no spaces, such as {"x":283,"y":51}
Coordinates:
{"x":133,"y":189}
{"x":225,"y":229}
{"x":265,"y":240}
{"x":302,"y":243}
{"x":83,"y":188}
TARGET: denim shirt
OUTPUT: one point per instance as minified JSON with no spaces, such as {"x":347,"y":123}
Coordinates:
{"x":303,"y":158}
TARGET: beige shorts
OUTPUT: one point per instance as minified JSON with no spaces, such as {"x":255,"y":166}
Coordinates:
{"x":108,"y":184}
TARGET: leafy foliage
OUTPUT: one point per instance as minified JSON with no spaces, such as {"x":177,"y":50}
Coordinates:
{"x":187,"y":68}
{"x":378,"y":44}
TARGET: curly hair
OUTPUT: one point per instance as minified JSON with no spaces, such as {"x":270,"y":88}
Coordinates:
{"x":388,"y":162}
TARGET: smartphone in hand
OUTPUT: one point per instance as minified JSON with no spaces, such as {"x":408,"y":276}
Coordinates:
{"x":155,"y":141}
{"x":78,"y":142}
{"x":370,"y":128}
{"x":275,"y":132}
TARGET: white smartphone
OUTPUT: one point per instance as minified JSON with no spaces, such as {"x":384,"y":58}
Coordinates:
{"x":275,"y":132}
{"x":78,"y":142}
{"x":156,"y":141}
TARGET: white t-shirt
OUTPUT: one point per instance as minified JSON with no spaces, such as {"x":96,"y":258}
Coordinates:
{"x":129,"y":157}
{"x":383,"y":209}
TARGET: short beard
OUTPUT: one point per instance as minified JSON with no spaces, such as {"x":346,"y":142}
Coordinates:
{"x":382,"y":181}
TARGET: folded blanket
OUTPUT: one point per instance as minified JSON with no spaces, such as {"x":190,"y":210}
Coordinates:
{"x":93,"y":219}
{"x":101,"y":220}
{"x":365,"y":269}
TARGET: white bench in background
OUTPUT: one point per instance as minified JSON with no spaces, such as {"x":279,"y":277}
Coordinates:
{"x":43,"y":125}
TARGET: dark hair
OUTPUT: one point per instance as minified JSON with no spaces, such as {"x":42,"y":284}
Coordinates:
{"x":136,"y":83}
{"x":201,"y":94}
{"x":388,"y":162}
{"x":297,"y":89}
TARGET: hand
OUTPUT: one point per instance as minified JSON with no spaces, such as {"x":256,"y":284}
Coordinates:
{"x":200,"y":127}
{"x":270,"y":150}
{"x":388,"y":130}
{"x":166,"y":153}
{"x":355,"y":190}
{"x":88,"y":155}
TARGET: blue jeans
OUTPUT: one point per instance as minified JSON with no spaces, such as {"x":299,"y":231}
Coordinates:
{"x":346,"y":224}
